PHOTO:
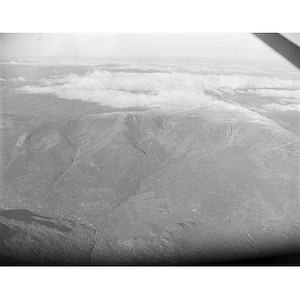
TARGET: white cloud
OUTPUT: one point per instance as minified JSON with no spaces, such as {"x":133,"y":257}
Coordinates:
{"x":126,"y":89}
{"x":287,"y":107}
{"x":17,"y":79}
{"x":244,"y":82}
{"x":295,"y":94}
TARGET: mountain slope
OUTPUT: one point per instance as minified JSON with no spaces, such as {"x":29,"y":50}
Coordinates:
{"x":160,"y":186}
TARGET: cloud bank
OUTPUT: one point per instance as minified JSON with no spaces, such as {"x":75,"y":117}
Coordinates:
{"x":287,"y":107}
{"x":172,"y":89}
{"x":292,"y":94}
{"x":14,"y":79}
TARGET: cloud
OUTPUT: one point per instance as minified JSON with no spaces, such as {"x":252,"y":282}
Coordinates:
{"x":13,"y":79}
{"x":129,"y":89}
{"x":276,"y":93}
{"x":245,"y":82}
{"x":126,"y":89}
{"x":287,"y":107}
{"x":52,"y":62}
{"x":18,"y":79}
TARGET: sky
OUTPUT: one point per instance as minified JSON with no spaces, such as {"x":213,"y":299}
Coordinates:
{"x":86,"y":46}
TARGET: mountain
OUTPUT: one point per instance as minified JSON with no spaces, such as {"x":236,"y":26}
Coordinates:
{"x":160,"y":186}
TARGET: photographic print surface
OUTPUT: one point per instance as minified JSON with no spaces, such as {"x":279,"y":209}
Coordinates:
{"x":147,"y":149}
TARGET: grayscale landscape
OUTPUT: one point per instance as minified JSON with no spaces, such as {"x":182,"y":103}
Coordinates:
{"x":148,"y":161}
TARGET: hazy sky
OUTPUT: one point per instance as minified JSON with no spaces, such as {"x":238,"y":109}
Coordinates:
{"x":118,"y":45}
